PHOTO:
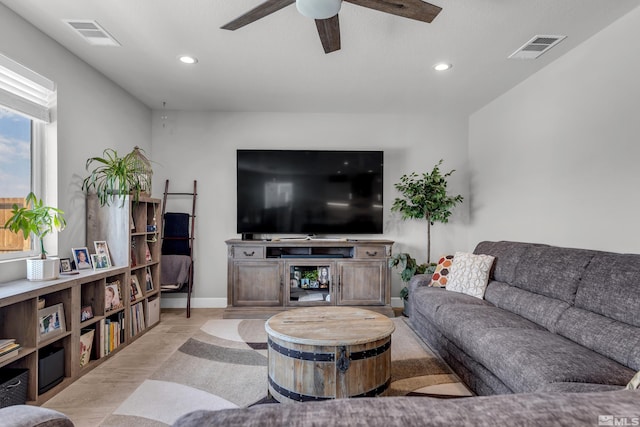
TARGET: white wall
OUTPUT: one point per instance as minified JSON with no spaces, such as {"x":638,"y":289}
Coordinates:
{"x":202,"y":146}
{"x":556,"y":159}
{"x":93,"y":114}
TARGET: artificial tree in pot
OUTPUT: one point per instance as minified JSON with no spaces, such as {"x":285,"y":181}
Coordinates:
{"x":40,"y":220}
{"x":425,"y":197}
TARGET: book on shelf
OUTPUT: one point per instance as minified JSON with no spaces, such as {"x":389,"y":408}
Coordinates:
{"x":86,"y":343}
{"x":147,"y":253}
{"x":8,"y":351}
{"x":6,"y":342}
{"x":112,"y":329}
{"x":137,"y":319}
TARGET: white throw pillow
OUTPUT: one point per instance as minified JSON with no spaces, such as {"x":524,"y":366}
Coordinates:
{"x":634,"y":384}
{"x":470,"y":274}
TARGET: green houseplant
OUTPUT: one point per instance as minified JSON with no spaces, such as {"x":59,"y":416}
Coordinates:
{"x":408,"y":267}
{"x":40,"y":220}
{"x":425,"y":197}
{"x":117,"y":176}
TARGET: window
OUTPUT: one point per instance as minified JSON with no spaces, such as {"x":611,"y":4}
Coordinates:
{"x":26,"y":102}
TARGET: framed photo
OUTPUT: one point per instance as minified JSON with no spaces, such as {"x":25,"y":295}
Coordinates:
{"x":136,"y":292}
{"x":112,"y":296}
{"x":51,"y":322}
{"x":103,"y":249}
{"x":86,"y":313}
{"x":81,"y":258}
{"x":65,"y":265}
{"x":100,"y":261}
{"x":148,"y":279}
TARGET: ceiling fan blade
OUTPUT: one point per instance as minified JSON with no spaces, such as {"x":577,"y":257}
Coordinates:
{"x":413,"y":9}
{"x":329,"y":32}
{"x":266,"y":8}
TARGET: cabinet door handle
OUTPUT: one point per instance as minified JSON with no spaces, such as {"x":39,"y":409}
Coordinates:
{"x":374,"y":253}
{"x":249,"y":254}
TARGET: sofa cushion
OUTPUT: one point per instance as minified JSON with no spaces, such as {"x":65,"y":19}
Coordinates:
{"x":611,"y":287}
{"x":462,"y":324}
{"x":428,"y":300}
{"x":552,"y":271}
{"x":539,"y":309}
{"x":470,"y":273}
{"x":540,"y":409}
{"x":525,"y":359}
{"x":441,"y":273}
{"x":507,"y":254}
{"x":616,"y":340}
{"x":572,"y":387}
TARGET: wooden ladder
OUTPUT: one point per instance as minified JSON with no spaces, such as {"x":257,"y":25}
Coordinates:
{"x":190,"y":238}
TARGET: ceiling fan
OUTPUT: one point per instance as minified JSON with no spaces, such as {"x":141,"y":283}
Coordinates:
{"x":325,"y":13}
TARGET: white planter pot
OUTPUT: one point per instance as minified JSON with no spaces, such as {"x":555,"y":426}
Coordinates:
{"x":43,"y":269}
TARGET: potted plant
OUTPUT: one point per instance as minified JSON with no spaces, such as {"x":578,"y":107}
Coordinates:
{"x":118,"y":176}
{"x":408,"y":268}
{"x":40,"y":220}
{"x":425,"y":197}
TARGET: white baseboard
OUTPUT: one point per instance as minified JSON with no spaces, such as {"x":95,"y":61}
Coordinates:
{"x":396,"y":302}
{"x":181,"y":302}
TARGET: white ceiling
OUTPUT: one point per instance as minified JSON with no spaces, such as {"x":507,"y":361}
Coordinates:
{"x":277,"y":64}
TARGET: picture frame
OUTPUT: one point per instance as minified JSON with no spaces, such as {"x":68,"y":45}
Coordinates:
{"x":136,"y":292}
{"x":86,"y":313}
{"x":148,"y":279}
{"x":51,"y":322}
{"x":100,"y":261}
{"x":112,"y":296}
{"x":65,"y":265}
{"x":81,"y":258}
{"x":103,"y":249}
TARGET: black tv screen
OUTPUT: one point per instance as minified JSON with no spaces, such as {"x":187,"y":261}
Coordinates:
{"x":309,"y":192}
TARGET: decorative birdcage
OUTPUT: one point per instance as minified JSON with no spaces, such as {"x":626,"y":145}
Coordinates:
{"x":143,"y":169}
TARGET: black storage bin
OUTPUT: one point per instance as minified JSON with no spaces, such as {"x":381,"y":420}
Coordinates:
{"x":50,"y":368}
{"x":13,"y":386}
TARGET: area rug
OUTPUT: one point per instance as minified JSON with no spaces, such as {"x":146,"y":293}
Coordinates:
{"x":224,"y":365}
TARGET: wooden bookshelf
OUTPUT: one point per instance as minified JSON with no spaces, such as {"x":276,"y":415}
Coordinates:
{"x":19,"y":319}
{"x":19,"y":314}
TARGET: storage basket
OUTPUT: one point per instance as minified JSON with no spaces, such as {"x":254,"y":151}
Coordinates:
{"x":13,"y":386}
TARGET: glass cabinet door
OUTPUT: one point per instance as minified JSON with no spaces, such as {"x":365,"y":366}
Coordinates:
{"x":310,"y":283}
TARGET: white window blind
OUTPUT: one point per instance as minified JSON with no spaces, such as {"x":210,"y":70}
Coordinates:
{"x":25,"y":91}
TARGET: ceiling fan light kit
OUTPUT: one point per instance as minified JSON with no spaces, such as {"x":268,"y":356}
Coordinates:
{"x":325,"y":13}
{"x":318,"y":9}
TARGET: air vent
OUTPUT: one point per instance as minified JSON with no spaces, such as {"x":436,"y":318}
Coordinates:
{"x":536,"y":47}
{"x":92,"y":32}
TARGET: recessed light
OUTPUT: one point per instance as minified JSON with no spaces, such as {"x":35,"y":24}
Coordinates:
{"x":186,"y":59}
{"x":442,"y":66}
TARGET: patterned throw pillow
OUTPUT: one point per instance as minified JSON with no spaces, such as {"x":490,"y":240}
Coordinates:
{"x":439,"y":278}
{"x":470,"y":274}
{"x":634,"y":384}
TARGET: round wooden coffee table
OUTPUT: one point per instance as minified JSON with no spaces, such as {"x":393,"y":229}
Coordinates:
{"x":319,"y":353}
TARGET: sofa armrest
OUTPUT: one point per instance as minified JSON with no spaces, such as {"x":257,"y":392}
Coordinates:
{"x":32,"y":416}
{"x":419,"y":280}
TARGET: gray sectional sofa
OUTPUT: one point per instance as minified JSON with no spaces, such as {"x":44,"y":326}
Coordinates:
{"x":557,"y":336}
{"x":552,"y":319}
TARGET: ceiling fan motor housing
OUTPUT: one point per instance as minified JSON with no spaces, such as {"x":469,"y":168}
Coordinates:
{"x":318,"y":9}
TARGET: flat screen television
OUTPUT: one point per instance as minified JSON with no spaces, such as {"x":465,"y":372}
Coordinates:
{"x":311,"y":192}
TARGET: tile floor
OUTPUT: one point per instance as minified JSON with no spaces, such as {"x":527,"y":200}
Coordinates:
{"x":93,"y":397}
